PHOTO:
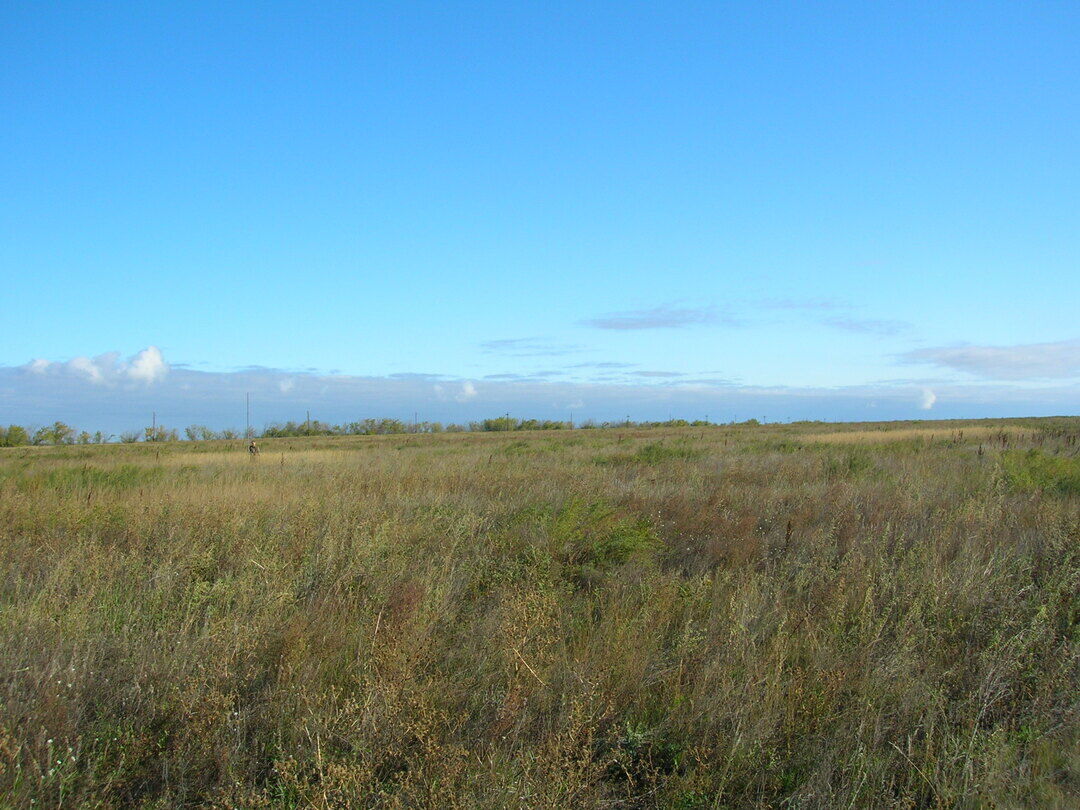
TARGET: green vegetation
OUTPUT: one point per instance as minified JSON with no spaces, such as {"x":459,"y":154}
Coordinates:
{"x":654,"y":453}
{"x":60,"y":433}
{"x":811,"y":615}
{"x":1037,"y":471}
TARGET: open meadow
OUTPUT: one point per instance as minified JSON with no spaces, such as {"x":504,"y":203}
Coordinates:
{"x":808,"y":615}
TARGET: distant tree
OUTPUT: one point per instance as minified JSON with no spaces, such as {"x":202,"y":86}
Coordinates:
{"x":229,"y":433}
{"x":56,"y":433}
{"x":16,"y":436}
{"x":84,"y":438}
{"x":159,"y":433}
{"x":499,"y":423}
{"x":129,"y":437}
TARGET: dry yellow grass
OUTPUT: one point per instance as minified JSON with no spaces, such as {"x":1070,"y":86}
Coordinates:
{"x":718,"y":617}
{"x":940,"y":433}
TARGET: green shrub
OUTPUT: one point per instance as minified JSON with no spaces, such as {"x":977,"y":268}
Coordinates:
{"x":125,"y":476}
{"x":654,"y":453}
{"x":1035,"y":470}
{"x":850,"y":465}
{"x":596,"y":535}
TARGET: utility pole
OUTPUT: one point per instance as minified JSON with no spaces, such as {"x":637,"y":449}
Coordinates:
{"x":247,"y":415}
{"x":153,"y":422}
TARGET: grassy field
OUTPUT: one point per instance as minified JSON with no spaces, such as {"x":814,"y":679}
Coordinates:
{"x":806,"y":616}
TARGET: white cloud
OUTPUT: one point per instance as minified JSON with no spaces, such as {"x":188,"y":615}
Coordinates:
{"x":1031,"y":361}
{"x":86,"y":367}
{"x":41,"y":392}
{"x":148,"y":366}
{"x":465,"y":393}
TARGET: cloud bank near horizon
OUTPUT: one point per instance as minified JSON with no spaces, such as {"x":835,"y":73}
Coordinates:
{"x":146,"y":367}
{"x":1031,"y":361}
{"x":111,"y":393}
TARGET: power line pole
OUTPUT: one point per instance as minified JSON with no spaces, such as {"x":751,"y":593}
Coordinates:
{"x":247,"y":414}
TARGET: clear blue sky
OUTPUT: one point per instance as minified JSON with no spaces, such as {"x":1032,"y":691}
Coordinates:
{"x":872,"y":198}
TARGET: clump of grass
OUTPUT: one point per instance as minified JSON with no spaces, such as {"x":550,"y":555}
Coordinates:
{"x":85,"y":477}
{"x":596,"y":535}
{"x":1035,"y":470}
{"x":852,"y":464}
{"x":515,"y":448}
{"x":655,"y":453}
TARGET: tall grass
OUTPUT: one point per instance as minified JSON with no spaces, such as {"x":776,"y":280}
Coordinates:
{"x":716,"y":617}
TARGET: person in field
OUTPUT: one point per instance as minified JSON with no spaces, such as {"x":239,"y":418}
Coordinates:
{"x":253,"y":449}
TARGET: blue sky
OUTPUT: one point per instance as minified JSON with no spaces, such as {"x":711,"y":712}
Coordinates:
{"x":828,"y":210}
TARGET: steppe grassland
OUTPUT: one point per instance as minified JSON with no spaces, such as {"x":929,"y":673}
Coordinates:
{"x":706,"y":617}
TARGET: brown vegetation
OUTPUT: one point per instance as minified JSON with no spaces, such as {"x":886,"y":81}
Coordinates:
{"x":701,"y":617}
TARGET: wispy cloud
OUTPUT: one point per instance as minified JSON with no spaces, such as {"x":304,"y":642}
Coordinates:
{"x":657,"y":374}
{"x":926,"y":402}
{"x":1031,"y":361}
{"x":604,"y":364}
{"x":709,"y":381}
{"x":415,"y":375}
{"x":867,"y":326}
{"x":529,"y":347}
{"x":662,"y":317}
{"x":808,"y":304}
{"x":843,"y":316}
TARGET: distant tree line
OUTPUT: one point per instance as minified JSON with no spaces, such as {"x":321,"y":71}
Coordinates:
{"x":59,"y":433}
{"x":56,"y":433}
